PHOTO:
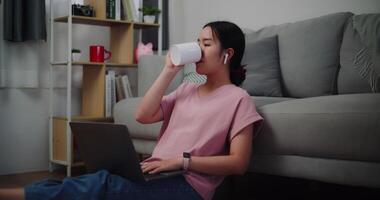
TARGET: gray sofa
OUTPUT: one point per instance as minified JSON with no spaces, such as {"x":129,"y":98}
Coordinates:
{"x":326,"y":124}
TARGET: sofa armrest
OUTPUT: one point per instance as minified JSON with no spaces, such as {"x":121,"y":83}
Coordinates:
{"x":149,"y":67}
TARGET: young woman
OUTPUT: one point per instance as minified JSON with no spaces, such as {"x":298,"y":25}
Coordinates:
{"x":207,"y":130}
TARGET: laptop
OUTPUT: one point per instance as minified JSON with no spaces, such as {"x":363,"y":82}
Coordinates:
{"x":109,"y":146}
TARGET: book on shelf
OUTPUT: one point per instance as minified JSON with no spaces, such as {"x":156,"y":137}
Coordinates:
{"x":117,"y":9}
{"x":117,"y":88}
{"x":120,"y":94}
{"x":110,"y":97}
{"x":107,"y":96}
{"x":113,"y":88}
{"x":135,"y":4}
{"x":127,"y":86}
{"x":110,"y":9}
{"x":126,"y":11}
{"x":131,"y":9}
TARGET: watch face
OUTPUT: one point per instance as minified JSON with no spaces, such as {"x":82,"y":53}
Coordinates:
{"x":186,"y":155}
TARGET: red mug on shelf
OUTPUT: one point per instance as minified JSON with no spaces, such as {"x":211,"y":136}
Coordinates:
{"x":99,"y":54}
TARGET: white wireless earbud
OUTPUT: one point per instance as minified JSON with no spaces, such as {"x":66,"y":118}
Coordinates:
{"x":225,"y":58}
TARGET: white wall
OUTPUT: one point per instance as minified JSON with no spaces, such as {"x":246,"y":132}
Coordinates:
{"x":190,"y":16}
{"x":1,"y":43}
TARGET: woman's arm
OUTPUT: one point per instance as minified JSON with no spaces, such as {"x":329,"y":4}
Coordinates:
{"x":149,"y":110}
{"x":235,"y":163}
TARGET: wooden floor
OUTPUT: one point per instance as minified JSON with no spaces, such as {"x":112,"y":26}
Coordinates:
{"x":250,"y":186}
{"x":23,"y":179}
{"x":20,"y":180}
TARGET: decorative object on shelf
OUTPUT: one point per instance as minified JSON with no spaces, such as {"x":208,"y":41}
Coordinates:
{"x":149,"y":13}
{"x":75,"y":54}
{"x":142,"y":49}
{"x":99,"y":54}
{"x":83,"y":10}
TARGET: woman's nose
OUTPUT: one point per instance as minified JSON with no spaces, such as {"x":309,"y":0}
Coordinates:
{"x":202,"y":52}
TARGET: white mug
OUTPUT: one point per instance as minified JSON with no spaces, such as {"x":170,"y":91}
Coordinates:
{"x":185,"y":53}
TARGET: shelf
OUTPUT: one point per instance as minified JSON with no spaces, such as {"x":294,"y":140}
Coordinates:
{"x":85,"y":118}
{"x":104,"y":22}
{"x":98,"y":64}
{"x":139,"y":25}
{"x":121,"y":44}
{"x":88,"y":63}
{"x":59,"y":63}
{"x":120,"y":65}
{"x":92,"y":21}
{"x":62,"y":162}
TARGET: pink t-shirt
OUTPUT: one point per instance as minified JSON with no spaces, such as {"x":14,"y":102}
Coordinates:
{"x":202,"y":126}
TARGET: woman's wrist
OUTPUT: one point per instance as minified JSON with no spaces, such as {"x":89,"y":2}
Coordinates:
{"x":172,"y":70}
{"x":179,"y":163}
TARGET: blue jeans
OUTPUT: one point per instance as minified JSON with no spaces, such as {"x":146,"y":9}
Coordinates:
{"x":103,"y":185}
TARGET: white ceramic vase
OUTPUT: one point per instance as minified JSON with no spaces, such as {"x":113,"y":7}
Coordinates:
{"x":149,"y":19}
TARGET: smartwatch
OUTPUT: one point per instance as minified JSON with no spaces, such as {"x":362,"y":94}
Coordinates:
{"x":186,"y":160}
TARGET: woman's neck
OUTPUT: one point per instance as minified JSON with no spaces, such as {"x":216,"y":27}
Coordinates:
{"x":216,"y":80}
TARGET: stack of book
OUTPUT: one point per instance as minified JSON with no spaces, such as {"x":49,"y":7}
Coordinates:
{"x":117,"y":88}
{"x":123,"y":9}
{"x":131,"y":10}
{"x":113,"y":9}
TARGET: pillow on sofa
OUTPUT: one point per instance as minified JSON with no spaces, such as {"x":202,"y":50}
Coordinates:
{"x":349,"y":79}
{"x":309,"y":52}
{"x":194,"y":77}
{"x":263,"y":76}
{"x":367,"y":61}
{"x":191,"y":75}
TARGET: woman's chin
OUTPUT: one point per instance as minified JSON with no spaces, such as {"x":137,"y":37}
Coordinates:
{"x":198,"y":68}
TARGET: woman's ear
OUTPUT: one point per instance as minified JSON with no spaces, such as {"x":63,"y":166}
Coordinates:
{"x":230,"y":52}
{"x":228,"y":55}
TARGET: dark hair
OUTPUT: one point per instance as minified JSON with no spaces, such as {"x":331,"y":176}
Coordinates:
{"x":231,"y":36}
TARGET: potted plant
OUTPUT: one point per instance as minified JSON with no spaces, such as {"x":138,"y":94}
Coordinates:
{"x":149,"y":13}
{"x":75,"y":54}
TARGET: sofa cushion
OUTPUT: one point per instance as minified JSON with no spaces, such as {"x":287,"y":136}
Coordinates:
{"x":262,"y":101}
{"x":309,"y":53}
{"x":349,"y":80}
{"x":337,"y":127}
{"x":263,"y":76}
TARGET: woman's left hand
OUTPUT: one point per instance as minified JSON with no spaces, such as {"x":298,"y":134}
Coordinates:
{"x":154,"y":167}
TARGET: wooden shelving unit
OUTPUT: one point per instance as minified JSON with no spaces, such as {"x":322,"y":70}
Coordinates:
{"x":104,"y":22}
{"x":97,"y":64}
{"x":93,"y":80}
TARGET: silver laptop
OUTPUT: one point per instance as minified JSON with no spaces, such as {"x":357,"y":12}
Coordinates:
{"x":109,"y":146}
